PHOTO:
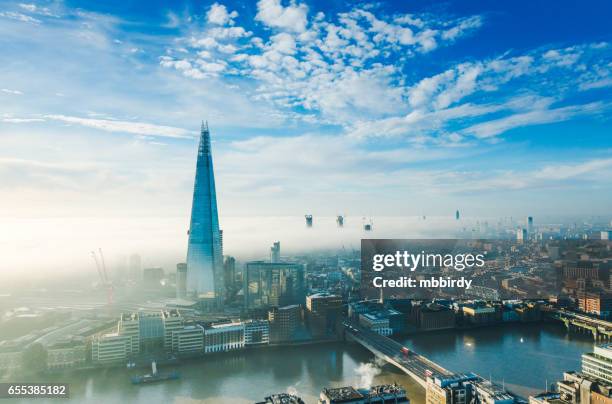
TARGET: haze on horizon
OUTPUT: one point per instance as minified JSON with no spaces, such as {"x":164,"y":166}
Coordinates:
{"x":367,"y":110}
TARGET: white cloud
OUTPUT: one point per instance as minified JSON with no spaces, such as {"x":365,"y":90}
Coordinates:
{"x":19,"y":17}
{"x":568,"y":171}
{"x":22,"y":120}
{"x":452,"y":85}
{"x":587,"y":173}
{"x":536,"y":117}
{"x":33,"y":8}
{"x":217,"y":14}
{"x":12,"y":92}
{"x":562,"y":57}
{"x":470,"y":23}
{"x":340,"y":70}
{"x":28,"y":7}
{"x":274,"y":15}
{"x":440,"y":126}
{"x":138,"y":128}
{"x":283,"y":43}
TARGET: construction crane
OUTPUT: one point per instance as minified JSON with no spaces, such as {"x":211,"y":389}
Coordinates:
{"x":103,"y":274}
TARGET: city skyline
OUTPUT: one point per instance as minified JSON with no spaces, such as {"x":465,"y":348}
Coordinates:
{"x":366,"y":110}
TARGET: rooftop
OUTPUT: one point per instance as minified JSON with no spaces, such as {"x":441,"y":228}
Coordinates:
{"x":321,"y":295}
{"x":228,"y":324}
{"x":384,"y":390}
{"x":283,"y":398}
{"x":342,"y":393}
{"x":547,"y":397}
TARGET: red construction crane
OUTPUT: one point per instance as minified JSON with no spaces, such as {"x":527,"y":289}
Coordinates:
{"x":104,"y":279}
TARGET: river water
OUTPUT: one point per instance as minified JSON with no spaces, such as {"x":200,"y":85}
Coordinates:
{"x":524,"y":357}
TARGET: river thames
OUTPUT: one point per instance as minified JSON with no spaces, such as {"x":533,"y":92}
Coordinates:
{"x":523,"y":357}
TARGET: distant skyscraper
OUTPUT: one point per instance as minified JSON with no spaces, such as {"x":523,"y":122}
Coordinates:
{"x":181,"y":280}
{"x":229,"y":273}
{"x":521,"y":235}
{"x":530,"y":225}
{"x":204,"y":254}
{"x":275,"y":252}
{"x":268,"y":284}
{"x":457,"y":215}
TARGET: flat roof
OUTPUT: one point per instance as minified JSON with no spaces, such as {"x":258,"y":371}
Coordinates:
{"x":342,"y":393}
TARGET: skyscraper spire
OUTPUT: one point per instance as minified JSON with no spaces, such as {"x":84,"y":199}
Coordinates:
{"x":204,"y":255}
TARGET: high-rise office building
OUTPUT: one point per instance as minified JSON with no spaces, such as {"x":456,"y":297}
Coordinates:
{"x":181,"y":280}
{"x":275,"y":252}
{"x":273,"y":284}
{"x":229,"y":272}
{"x":284,"y":321}
{"x":324,"y":314}
{"x":204,"y":252}
{"x":530,"y":225}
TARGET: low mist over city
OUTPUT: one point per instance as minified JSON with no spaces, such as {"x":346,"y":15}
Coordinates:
{"x":297,"y":201}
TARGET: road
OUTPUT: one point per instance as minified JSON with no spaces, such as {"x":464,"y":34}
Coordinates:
{"x":417,"y":365}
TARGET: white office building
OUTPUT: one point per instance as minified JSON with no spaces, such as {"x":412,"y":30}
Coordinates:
{"x":598,"y":364}
{"x":188,"y":340}
{"x":224,"y":337}
{"x":110,"y":348}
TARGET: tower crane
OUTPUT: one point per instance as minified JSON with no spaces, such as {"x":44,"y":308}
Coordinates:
{"x":103,"y":274}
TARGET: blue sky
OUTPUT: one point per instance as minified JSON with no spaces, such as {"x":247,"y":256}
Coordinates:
{"x":382,"y":108}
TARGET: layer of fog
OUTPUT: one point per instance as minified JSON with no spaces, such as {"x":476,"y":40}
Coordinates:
{"x":44,"y":247}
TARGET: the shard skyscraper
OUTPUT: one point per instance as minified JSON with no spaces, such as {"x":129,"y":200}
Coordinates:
{"x":204,"y":252}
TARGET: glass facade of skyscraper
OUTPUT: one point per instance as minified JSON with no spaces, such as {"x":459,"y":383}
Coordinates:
{"x":204,"y":252}
{"x":273,"y":284}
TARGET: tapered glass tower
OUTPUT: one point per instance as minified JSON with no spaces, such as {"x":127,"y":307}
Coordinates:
{"x":204,"y":251}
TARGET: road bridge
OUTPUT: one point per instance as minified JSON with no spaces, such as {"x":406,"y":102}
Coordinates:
{"x":416,"y":366}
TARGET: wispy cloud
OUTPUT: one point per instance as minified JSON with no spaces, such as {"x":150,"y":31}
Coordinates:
{"x":13,"y":15}
{"x":138,"y":128}
{"x":12,"y":92}
{"x":535,"y":117}
{"x":22,"y":120}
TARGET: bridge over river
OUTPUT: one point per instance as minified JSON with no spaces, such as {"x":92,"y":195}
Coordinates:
{"x":600,"y":329}
{"x":416,"y":366}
